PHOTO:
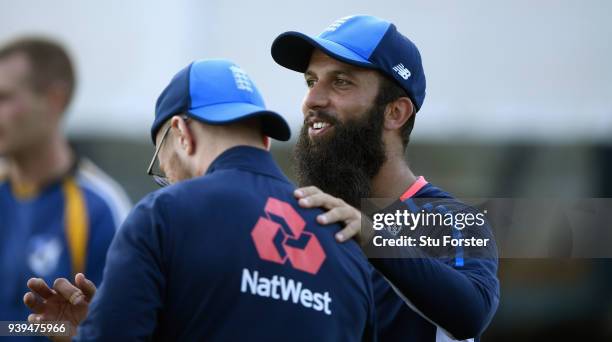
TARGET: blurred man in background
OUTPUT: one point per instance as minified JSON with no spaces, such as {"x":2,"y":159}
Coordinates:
{"x":58,"y":212}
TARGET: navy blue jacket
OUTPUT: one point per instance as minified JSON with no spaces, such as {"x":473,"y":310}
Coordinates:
{"x":435,"y":299}
{"x":230,"y":256}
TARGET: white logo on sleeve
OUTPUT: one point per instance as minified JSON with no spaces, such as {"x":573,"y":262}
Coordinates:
{"x":243,"y":81}
{"x":333,"y":27}
{"x":402,"y":71}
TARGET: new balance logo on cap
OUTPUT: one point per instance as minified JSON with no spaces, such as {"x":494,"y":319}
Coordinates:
{"x":336,"y":24}
{"x":402,"y":71}
{"x":242,"y":79}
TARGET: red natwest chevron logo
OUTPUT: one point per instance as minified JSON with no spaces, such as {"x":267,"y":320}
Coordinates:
{"x":308,"y":258}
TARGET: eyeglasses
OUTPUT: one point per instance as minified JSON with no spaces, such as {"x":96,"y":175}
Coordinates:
{"x":159,"y":178}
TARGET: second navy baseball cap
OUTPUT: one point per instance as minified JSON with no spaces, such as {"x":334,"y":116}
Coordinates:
{"x":361,"y":40}
{"x":216,"y":92}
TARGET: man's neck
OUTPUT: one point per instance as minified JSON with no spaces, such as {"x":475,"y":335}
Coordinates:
{"x":205,"y":160}
{"x":393,"y":178}
{"x":40,"y":164}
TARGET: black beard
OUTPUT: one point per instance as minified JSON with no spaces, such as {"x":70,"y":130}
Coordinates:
{"x":344,"y":163}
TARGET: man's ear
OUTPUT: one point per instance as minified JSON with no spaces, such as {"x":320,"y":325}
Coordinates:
{"x":186,"y":138}
{"x":57,"y":97}
{"x":397,"y":113}
{"x":267,"y":142}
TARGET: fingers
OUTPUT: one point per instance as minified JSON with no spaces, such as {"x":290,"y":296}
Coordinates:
{"x":34,"y":318}
{"x":85,"y":285}
{"x":33,"y":302}
{"x":322,"y":200}
{"x":338,"y":211}
{"x":353,"y":230}
{"x":70,"y":292}
{"x":339,"y":214}
{"x":306,"y":191}
{"x":39,"y":287}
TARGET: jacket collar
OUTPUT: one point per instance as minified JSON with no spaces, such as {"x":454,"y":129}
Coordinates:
{"x":247,"y":158}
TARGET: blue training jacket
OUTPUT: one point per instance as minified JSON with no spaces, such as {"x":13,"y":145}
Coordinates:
{"x":230,"y":256}
{"x":62,"y":229}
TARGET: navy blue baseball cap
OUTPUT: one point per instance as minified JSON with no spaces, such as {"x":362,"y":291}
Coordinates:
{"x":360,"y":40}
{"x":216,"y":92}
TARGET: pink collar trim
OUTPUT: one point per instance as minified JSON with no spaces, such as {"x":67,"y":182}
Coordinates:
{"x":414,"y":188}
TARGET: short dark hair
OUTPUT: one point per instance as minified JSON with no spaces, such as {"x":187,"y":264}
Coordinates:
{"x":389,"y":91}
{"x":49,"y":62}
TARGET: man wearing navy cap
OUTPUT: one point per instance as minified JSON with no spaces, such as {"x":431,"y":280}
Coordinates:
{"x":225,"y":254}
{"x":365,"y":85}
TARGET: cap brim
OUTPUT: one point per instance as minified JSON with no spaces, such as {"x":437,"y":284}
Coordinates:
{"x":294,"y":49}
{"x":273,"y":124}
